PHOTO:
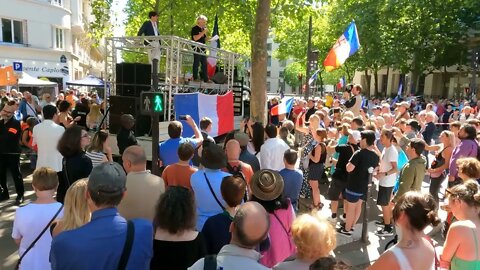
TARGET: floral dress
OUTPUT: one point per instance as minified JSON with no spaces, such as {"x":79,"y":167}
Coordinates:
{"x":308,"y":145}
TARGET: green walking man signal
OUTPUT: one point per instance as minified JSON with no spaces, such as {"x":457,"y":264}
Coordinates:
{"x":151,"y":102}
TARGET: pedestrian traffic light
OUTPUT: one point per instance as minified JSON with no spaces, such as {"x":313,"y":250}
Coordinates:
{"x":151,"y":102}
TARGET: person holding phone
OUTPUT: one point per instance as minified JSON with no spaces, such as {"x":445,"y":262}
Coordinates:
{"x":168,"y":149}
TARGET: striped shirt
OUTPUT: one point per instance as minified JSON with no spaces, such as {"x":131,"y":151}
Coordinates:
{"x":97,"y":158}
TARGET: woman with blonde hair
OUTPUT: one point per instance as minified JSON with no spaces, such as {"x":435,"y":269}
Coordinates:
{"x":94,"y":117}
{"x":461,"y":249}
{"x":438,"y":169}
{"x":76,"y":212}
{"x":314,"y":238}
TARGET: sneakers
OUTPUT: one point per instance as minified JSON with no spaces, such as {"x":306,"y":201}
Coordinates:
{"x":332,"y":220}
{"x":344,"y":232}
{"x":384,"y":232}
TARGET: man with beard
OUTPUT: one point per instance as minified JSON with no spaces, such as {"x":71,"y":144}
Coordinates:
{"x":10,"y":132}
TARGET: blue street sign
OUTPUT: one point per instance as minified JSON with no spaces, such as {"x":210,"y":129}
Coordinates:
{"x":17,"y":66}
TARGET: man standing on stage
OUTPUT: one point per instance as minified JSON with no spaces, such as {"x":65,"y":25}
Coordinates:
{"x":150,"y":28}
{"x":199,"y":34}
{"x":10,"y":133}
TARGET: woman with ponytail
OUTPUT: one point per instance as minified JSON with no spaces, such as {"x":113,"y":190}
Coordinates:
{"x":413,"y":212}
{"x":461,"y":249}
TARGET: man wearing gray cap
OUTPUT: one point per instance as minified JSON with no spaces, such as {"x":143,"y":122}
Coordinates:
{"x":108,"y":241}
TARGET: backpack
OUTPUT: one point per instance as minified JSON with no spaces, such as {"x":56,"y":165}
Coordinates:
{"x":237,"y":171}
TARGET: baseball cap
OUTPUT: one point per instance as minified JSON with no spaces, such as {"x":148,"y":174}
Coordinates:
{"x":356,"y":135}
{"x":108,"y":177}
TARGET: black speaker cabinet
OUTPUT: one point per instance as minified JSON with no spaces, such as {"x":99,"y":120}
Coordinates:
{"x":120,"y":105}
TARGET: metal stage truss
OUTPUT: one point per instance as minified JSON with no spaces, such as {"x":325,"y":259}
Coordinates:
{"x":174,"y":52}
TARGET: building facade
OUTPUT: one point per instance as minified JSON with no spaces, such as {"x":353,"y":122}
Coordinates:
{"x":49,"y":38}
{"x":275,"y":70}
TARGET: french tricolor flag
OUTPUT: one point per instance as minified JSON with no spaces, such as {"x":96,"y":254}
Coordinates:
{"x":283,"y":107}
{"x":219,"y":108}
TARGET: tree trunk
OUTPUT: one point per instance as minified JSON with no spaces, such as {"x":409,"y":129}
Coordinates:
{"x":444,"y":79}
{"x":157,"y":6}
{"x":367,"y":83}
{"x":386,"y":90}
{"x":259,"y":62}
{"x":375,"y":80}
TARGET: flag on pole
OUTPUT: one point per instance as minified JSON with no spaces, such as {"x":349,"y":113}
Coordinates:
{"x":346,"y":45}
{"x":284,"y":106}
{"x":314,"y":77}
{"x":400,"y":87}
{"x":214,"y":43}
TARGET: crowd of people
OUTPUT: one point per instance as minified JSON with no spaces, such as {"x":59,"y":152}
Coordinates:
{"x":251,"y":201}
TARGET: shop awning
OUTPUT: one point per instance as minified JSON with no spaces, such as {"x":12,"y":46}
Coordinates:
{"x":90,"y":80}
{"x":29,"y":81}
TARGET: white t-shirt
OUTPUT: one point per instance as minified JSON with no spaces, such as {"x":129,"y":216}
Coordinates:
{"x":389,"y":154}
{"x":29,"y":222}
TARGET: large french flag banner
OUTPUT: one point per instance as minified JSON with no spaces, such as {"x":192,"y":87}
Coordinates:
{"x":214,"y":43}
{"x":219,"y":108}
{"x":283,"y":107}
{"x":346,"y":45}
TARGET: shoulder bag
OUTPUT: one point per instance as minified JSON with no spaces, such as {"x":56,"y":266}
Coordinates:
{"x":127,"y":248}
{"x":38,"y":238}
{"x":213,"y":193}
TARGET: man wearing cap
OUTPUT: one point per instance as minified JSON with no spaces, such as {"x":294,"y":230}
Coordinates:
{"x":402,"y":111}
{"x":206,"y":183}
{"x":144,"y":188}
{"x":245,"y":155}
{"x":411,"y":131}
{"x":249,"y":228}
{"x":101,"y":243}
{"x":377,"y":110}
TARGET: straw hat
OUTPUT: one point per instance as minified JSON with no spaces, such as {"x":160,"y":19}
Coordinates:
{"x":267,"y":185}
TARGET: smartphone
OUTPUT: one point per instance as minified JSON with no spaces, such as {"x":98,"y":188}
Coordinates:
{"x":182,"y":117}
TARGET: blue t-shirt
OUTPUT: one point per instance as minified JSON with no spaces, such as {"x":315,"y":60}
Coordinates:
{"x":167,"y":150}
{"x":99,"y":244}
{"x":292,"y":184}
{"x":216,"y":232}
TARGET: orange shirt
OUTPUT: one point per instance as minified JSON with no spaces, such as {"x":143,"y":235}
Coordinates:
{"x":178,"y":175}
{"x":246,"y":169}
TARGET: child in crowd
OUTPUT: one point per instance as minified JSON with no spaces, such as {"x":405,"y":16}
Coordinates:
{"x":292,"y":177}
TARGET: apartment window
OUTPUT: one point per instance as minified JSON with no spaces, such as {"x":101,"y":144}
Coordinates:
{"x":12,"y":31}
{"x":269,"y":46}
{"x":268,"y":73}
{"x":57,"y":2}
{"x":268,"y":86}
{"x":280,"y":74}
{"x":59,"y":40}
{"x":269,"y":61}
{"x":283,"y":63}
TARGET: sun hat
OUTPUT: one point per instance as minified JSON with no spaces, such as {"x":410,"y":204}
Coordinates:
{"x":267,"y":185}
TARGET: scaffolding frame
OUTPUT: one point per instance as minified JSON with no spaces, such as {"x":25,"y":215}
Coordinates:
{"x":174,"y":49}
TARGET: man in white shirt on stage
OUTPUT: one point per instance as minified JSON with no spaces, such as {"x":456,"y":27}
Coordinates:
{"x":46,"y":136}
{"x":271,"y":152}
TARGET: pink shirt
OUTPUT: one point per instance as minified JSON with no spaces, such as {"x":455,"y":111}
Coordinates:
{"x":281,"y":244}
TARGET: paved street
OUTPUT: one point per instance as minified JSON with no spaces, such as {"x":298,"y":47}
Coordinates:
{"x":349,"y":249}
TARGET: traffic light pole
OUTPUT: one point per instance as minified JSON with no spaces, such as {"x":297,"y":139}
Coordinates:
{"x":155,"y":120}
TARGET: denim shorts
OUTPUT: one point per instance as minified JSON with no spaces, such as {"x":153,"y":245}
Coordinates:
{"x":353,"y":197}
